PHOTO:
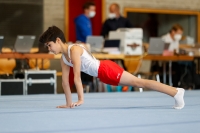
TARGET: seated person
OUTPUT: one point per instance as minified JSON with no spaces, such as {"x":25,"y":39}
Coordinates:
{"x":173,"y":37}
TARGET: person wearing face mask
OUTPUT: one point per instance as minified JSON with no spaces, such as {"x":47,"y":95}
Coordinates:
{"x":173,"y":37}
{"x":83,"y":23}
{"x":114,"y":21}
{"x":83,"y":29}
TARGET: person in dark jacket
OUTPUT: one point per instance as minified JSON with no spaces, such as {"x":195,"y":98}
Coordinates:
{"x":114,"y":21}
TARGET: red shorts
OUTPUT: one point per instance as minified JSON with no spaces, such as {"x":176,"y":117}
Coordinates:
{"x":109,"y":72}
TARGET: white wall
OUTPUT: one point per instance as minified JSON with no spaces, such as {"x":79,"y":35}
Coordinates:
{"x":54,"y":13}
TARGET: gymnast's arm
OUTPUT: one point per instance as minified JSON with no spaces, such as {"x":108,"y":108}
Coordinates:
{"x":65,"y":85}
{"x":76,"y":52}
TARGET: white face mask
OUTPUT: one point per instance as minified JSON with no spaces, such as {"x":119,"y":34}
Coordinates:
{"x":92,"y":14}
{"x":177,"y":37}
{"x":112,"y":15}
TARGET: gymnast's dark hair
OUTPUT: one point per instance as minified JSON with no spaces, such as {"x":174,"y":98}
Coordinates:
{"x":51,"y":34}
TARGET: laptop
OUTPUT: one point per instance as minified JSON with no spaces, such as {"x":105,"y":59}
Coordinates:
{"x":96,"y":43}
{"x":1,"y":43}
{"x":157,"y":46}
{"x":112,"y":46}
{"x":24,"y":43}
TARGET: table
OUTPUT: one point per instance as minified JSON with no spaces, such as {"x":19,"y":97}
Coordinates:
{"x":27,"y":56}
{"x":196,"y":52}
{"x":169,"y":59}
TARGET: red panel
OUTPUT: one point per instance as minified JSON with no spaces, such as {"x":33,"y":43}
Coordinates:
{"x":71,"y":77}
{"x":75,"y":9}
{"x":97,"y":20}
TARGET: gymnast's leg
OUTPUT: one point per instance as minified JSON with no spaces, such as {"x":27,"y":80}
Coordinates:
{"x":178,"y":93}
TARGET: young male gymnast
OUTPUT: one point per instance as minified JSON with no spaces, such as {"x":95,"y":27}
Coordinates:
{"x":76,"y":56}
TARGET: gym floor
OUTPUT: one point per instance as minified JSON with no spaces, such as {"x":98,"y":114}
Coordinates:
{"x":147,"y":112}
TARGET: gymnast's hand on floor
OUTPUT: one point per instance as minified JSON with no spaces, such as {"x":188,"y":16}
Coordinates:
{"x":63,"y":106}
{"x":72,"y":105}
{"x":76,"y":103}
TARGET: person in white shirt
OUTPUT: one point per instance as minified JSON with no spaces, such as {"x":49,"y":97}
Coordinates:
{"x":173,"y":37}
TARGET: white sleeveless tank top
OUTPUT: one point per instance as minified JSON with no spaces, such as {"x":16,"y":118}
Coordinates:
{"x":89,"y":64}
